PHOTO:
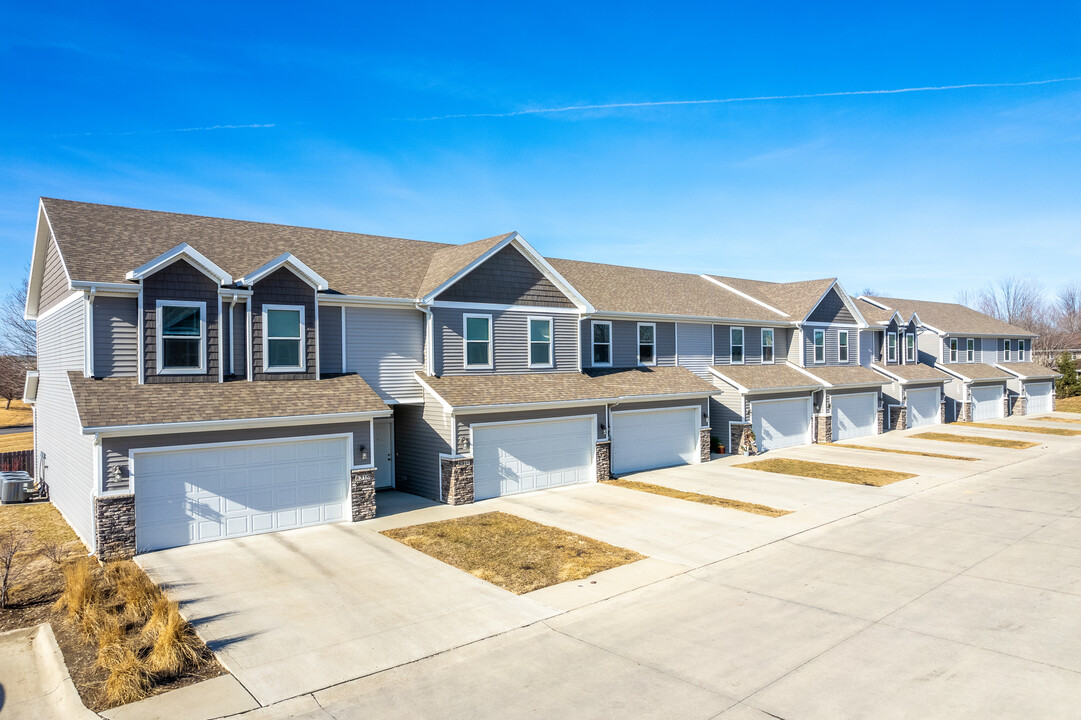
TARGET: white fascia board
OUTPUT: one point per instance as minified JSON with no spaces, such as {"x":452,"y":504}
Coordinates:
{"x":806,"y":372}
{"x":43,"y":235}
{"x":234,"y":292}
{"x":744,"y":295}
{"x":729,"y":380}
{"x":847,"y":300}
{"x":237,"y":424}
{"x":1016,"y":373}
{"x":604,"y":315}
{"x":185,"y":252}
{"x":585,"y":402}
{"x":105,"y":288}
{"x":365,"y":300}
{"x":494,"y":307}
{"x":462,"y":272}
{"x":546,"y":268}
{"x":291,"y":261}
{"x":791,"y":388}
{"x":420,"y":379}
{"x":876,"y":303}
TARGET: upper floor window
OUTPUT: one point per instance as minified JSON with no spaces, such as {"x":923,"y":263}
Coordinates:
{"x":478,"y":341}
{"x":953,"y":350}
{"x":735,"y":347}
{"x":647,"y":344}
{"x":910,"y":347}
{"x":181,"y":346}
{"x":1020,"y":351}
{"x":842,"y":346}
{"x":1006,"y":351}
{"x":767,"y":345}
{"x":283,"y":338}
{"x":540,"y":342}
{"x":820,"y":346}
{"x":891,"y":347}
{"x":602,"y":343}
{"x":970,"y":350}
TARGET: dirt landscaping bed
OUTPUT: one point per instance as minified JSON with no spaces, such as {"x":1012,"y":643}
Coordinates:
{"x":699,"y":497}
{"x":828,"y":471}
{"x":976,"y":440}
{"x":13,"y":442}
{"x":1021,"y":428}
{"x":516,"y":554}
{"x":121,"y":638}
{"x":902,"y":452}
{"x":18,"y":415}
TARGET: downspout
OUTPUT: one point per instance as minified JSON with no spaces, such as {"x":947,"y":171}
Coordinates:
{"x":429,"y":356}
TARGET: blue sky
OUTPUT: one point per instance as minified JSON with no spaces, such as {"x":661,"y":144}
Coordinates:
{"x":337,"y":117}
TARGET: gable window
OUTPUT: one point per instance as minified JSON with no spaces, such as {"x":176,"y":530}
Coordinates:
{"x":1006,"y":351}
{"x":970,"y":350}
{"x":891,"y":347}
{"x":735,"y":346}
{"x":647,"y":344}
{"x":181,"y":346}
{"x":842,"y":346}
{"x":540,"y":342}
{"x":478,"y":341}
{"x":283,"y":338}
{"x":1020,"y":351}
{"x":953,"y":350}
{"x":767,"y":345}
{"x":910,"y":347}
{"x":820,"y":346}
{"x":602,"y":343}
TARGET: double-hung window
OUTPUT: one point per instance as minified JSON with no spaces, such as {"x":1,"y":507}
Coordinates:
{"x":842,"y":346}
{"x":478,"y":341}
{"x":767,"y":345}
{"x":182,"y":337}
{"x":953,"y":350}
{"x":283,"y":338}
{"x":1020,"y":351}
{"x":1006,"y":351}
{"x":820,"y":346}
{"x":970,"y":350}
{"x":540,"y":342}
{"x":647,"y":344}
{"x":891,"y":347}
{"x":910,"y":347}
{"x":602,"y":343}
{"x":735,"y":347}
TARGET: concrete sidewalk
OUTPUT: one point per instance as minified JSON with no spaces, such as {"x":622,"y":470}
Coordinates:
{"x":34,"y":681}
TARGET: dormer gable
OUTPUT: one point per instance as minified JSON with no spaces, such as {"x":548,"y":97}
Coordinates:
{"x":184,"y":252}
{"x":290,"y":262}
{"x":836,"y":307}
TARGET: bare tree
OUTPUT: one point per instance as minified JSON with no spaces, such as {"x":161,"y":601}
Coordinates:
{"x":1067,"y":308}
{"x":868,"y":292}
{"x":18,"y":336}
{"x":12,"y":568}
{"x":12,"y":378}
{"x":966,"y":298}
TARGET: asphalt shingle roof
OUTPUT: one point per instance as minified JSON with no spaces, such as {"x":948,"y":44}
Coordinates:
{"x":1030,"y":370}
{"x":847,"y":375}
{"x":797,"y":299}
{"x":766,"y":377}
{"x":979,"y":371}
{"x":952,"y":317}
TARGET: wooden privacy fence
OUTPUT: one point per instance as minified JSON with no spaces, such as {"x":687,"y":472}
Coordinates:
{"x":18,"y":460}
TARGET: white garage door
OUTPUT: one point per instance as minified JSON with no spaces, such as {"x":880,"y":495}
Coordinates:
{"x":646,"y":439}
{"x":923,"y":407}
{"x":781,"y":423}
{"x":195,"y":495}
{"x":518,"y":457}
{"x":987,"y":402}
{"x":1039,"y":397}
{"x":855,"y":415}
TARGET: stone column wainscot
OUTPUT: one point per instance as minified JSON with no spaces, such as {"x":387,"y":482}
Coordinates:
{"x":881,"y":419}
{"x":704,"y":442}
{"x":114,"y":526}
{"x":942,"y":411}
{"x":604,"y":460}
{"x":898,"y":417}
{"x":456,"y":477}
{"x":824,"y":428}
{"x":362,"y":493}
{"x":966,"y":412}
{"x":735,"y":435}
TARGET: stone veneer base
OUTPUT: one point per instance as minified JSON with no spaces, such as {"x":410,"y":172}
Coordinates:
{"x":114,"y":526}
{"x":823,"y":428}
{"x":898,"y":417}
{"x":456,"y":478}
{"x":704,"y":444}
{"x":362,"y":493}
{"x":604,"y":460}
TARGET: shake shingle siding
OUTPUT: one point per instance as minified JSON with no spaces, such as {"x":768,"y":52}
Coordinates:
{"x":510,"y":333}
{"x":54,"y":282}
{"x":330,"y":339}
{"x":832,"y":309}
{"x":421,"y":433}
{"x":506,"y":278}
{"x":67,"y":456}
{"x":283,"y":287}
{"x":385,"y":346}
{"x":116,"y":337}
{"x":179,"y":281}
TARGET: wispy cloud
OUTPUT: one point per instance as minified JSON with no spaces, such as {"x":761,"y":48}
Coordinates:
{"x":754,"y":98}
{"x":168,"y":130}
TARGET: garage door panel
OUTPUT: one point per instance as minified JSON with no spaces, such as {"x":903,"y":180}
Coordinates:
{"x":855,"y":415}
{"x":520,"y":457}
{"x":923,"y":407}
{"x":1039,"y":398}
{"x":643,"y":440}
{"x":987,"y":402}
{"x":781,"y":423}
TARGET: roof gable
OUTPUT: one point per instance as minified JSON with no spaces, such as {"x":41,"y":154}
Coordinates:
{"x":832,"y":309}
{"x":506,"y":277}
{"x":289,"y":262}
{"x":951,"y":318}
{"x":186,"y":252}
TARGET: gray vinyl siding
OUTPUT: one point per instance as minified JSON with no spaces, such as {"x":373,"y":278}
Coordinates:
{"x":330,"y":339}
{"x":724,"y":407}
{"x":179,"y":281}
{"x":510,"y":347}
{"x":464,"y":422}
{"x":115,"y":449}
{"x":54,"y":280}
{"x":929,"y":346}
{"x":869,"y":349}
{"x":506,"y":278}
{"x":66,"y":456}
{"x":832,"y":349}
{"x":832,"y":309}
{"x":989,"y":353}
{"x":283,"y":287}
{"x":385,"y":346}
{"x":421,"y":433}
{"x":116,"y":337}
{"x":752,"y":344}
{"x":694,"y":347}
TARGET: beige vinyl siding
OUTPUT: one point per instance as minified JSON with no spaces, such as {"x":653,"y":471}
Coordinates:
{"x":54,"y":280}
{"x":510,"y":342}
{"x":794,"y":338}
{"x":421,"y":433}
{"x":931,"y":347}
{"x":116,"y":337}
{"x":694,"y":347}
{"x":724,"y":407}
{"x":66,"y":456}
{"x":385,"y":346}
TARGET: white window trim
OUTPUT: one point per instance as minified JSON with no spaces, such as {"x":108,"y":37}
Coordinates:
{"x":465,"y":342}
{"x":529,"y":341}
{"x":638,"y":343}
{"x":891,"y":357}
{"x":1007,"y":352}
{"x":970,"y":350}
{"x":845,"y":345}
{"x":954,"y":350}
{"x":772,"y":346}
{"x":266,"y":340}
{"x":1020,"y":351}
{"x":818,"y":333}
{"x":593,"y":343}
{"x":742,"y":346}
{"x":201,"y":370}
{"x":913,"y":358}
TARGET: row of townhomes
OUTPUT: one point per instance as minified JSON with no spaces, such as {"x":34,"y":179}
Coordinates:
{"x":201,"y":378}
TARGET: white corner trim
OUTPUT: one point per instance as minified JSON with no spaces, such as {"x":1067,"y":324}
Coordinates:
{"x":293,"y":263}
{"x":446,"y":405}
{"x":182,"y":251}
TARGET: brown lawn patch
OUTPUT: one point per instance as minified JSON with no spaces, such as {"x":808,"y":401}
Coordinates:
{"x":514,"y":553}
{"x":1021,"y":428}
{"x":1072,"y":404}
{"x":1058,"y":419}
{"x":699,"y":498}
{"x":17,"y":415}
{"x":16,"y":441}
{"x":902,"y":452}
{"x":827,"y":471}
{"x":975,"y":440}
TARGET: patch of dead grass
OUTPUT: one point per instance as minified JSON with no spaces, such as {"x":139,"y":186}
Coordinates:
{"x":1071,"y":404}
{"x":699,"y":498}
{"x":18,"y":415}
{"x":828,"y":471}
{"x":1048,"y":418}
{"x":14,"y":442}
{"x":902,"y":452}
{"x":1021,"y":428}
{"x":516,"y":554}
{"x":975,"y":440}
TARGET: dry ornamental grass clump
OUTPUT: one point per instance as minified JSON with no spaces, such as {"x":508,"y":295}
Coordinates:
{"x":82,"y":588}
{"x":137,"y":591}
{"x":174,"y":646}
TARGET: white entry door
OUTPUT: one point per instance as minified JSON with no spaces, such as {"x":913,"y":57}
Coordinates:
{"x":647,"y":439}
{"x":518,"y":457}
{"x":855,"y":415}
{"x":923,"y":407}
{"x":227,"y":490}
{"x":383,"y":453}
{"x":1039,"y":397}
{"x":781,"y":423}
{"x":987,"y":402}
